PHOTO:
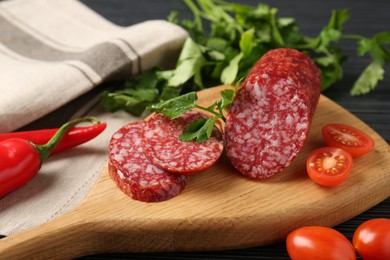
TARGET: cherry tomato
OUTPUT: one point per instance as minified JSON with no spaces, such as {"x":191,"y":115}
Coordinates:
{"x":372,"y":239}
{"x":329,"y":166}
{"x":348,"y":138}
{"x":320,"y":243}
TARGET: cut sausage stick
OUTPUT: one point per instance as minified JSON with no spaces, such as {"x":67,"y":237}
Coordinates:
{"x":163,"y":147}
{"x":270,"y":117}
{"x":134,"y":173}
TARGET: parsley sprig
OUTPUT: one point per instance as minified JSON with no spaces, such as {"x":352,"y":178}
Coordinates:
{"x":226,"y":39}
{"x":200,"y":129}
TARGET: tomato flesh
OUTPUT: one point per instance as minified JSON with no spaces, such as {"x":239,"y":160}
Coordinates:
{"x":329,"y":166}
{"x":372,"y":239}
{"x":349,"y":138}
{"x":316,"y":242}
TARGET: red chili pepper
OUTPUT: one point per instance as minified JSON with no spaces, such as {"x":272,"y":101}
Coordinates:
{"x":75,"y":136}
{"x":21,"y":159}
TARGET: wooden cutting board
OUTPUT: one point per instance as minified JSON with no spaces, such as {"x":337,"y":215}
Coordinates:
{"x":219,"y":208}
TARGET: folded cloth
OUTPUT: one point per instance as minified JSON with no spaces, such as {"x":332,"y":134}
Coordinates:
{"x":50,"y":53}
{"x":54,"y":51}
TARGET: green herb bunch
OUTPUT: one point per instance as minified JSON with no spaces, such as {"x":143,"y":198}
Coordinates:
{"x":236,"y":36}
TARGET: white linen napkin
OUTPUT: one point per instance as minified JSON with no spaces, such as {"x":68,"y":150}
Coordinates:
{"x":50,"y":53}
{"x":53,"y":51}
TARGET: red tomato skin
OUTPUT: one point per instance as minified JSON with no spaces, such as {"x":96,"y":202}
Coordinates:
{"x":372,"y":239}
{"x":324,"y":179}
{"x":320,"y":243}
{"x":366,"y":145}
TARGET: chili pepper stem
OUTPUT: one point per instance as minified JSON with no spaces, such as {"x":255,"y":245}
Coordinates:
{"x":45,"y":150}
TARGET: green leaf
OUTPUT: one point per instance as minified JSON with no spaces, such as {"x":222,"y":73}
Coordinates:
{"x":382,"y":39}
{"x":175,"y":107}
{"x":227,"y":98}
{"x":216,"y":55}
{"x":375,"y":47}
{"x":368,"y":79}
{"x":189,"y":64}
{"x":325,"y":61}
{"x":218,"y":44}
{"x":262,"y":11}
{"x":285,"y":21}
{"x":131,"y":100}
{"x":330,"y":75}
{"x":246,"y":42}
{"x":275,"y":30}
{"x":164,"y":75}
{"x":148,"y":79}
{"x":168,"y":93}
{"x":263,"y":34}
{"x":229,"y":74}
{"x":173,"y":17}
{"x":374,"y":72}
{"x":331,"y":68}
{"x":196,"y":13}
{"x":364,"y":46}
{"x":199,"y":130}
{"x":289,"y":29}
{"x":338,"y":18}
{"x":332,"y":32}
{"x":327,"y":36}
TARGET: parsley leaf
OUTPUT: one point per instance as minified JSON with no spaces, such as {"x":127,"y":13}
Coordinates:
{"x":175,"y":107}
{"x":227,"y":99}
{"x":189,"y":65}
{"x":326,"y":54}
{"x":246,"y":42}
{"x":368,"y":79}
{"x":200,"y":129}
{"x":229,"y":74}
{"x":133,"y":99}
{"x":374,"y":72}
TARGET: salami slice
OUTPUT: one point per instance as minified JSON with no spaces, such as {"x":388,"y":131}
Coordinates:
{"x":270,"y":117}
{"x":163,"y":147}
{"x":134,"y":173}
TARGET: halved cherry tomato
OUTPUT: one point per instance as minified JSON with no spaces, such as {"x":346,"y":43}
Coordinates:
{"x":316,"y":242}
{"x":372,"y":239}
{"x":329,"y":166}
{"x":348,"y":138}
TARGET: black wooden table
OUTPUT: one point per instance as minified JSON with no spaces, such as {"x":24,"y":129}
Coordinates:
{"x":367,"y":18}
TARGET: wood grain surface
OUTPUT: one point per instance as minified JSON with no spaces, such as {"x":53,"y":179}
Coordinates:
{"x":219,"y":208}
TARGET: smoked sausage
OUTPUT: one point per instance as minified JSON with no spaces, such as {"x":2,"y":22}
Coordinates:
{"x":164,"y":148}
{"x":270,"y":117}
{"x":134,"y":173}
